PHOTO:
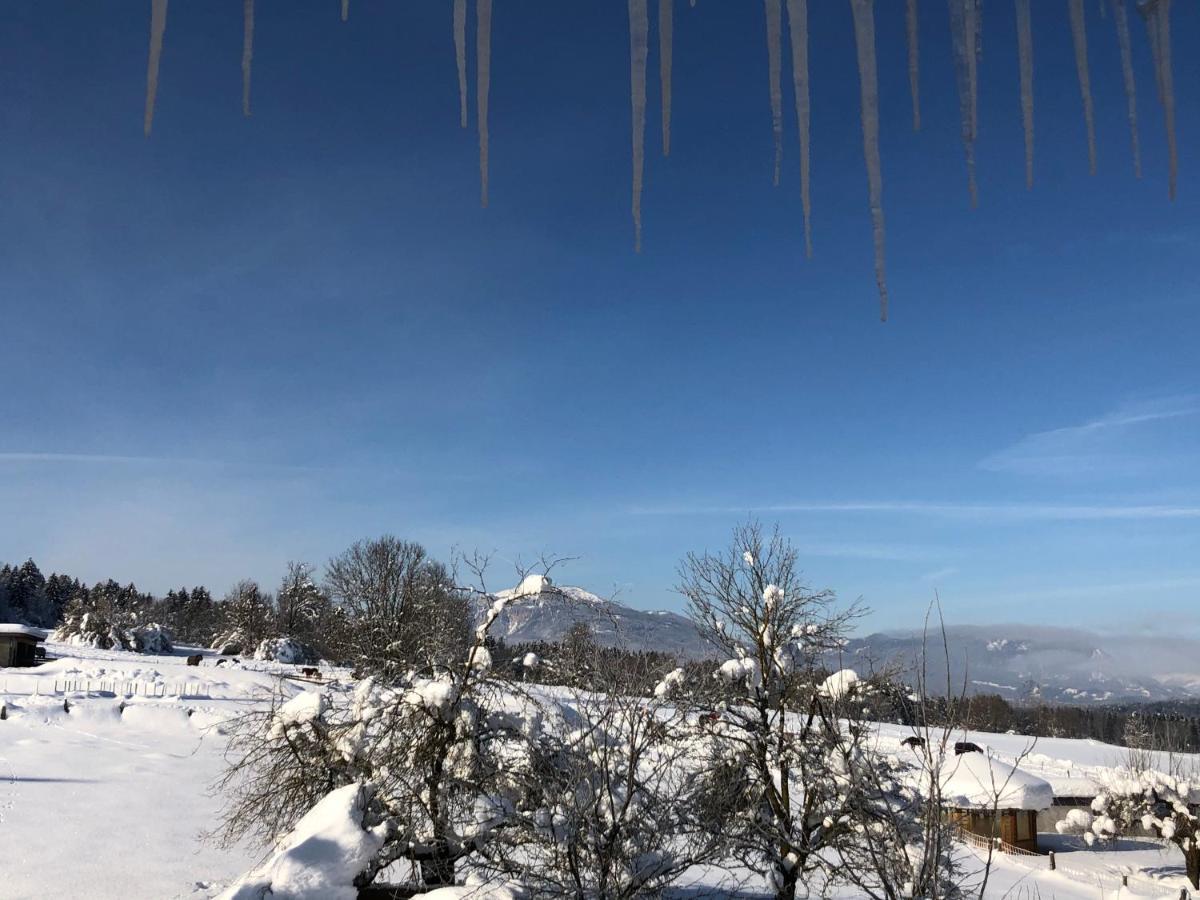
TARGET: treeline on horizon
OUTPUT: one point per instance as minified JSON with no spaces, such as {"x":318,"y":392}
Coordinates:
{"x":344,"y":619}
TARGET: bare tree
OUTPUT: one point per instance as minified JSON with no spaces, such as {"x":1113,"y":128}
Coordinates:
{"x":402,"y":606}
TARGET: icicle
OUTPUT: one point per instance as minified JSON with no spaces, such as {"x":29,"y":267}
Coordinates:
{"x":914,"y":82}
{"x":774,"y":12}
{"x":460,"y":55}
{"x":1079,"y":39}
{"x":345,"y":10}
{"x":798,"y":29}
{"x":1025,"y":55}
{"x":639,"y":52}
{"x":665,"y":36}
{"x":864,"y":39}
{"x":247,"y":52}
{"x":965,"y":35}
{"x":158,"y":24}
{"x":1157,"y":14}
{"x":483,"y":73}
{"x":1121,"y":17}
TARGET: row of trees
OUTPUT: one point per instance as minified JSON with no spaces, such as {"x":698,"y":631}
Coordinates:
{"x":28,"y":596}
{"x":764,"y":761}
{"x":379,"y":602}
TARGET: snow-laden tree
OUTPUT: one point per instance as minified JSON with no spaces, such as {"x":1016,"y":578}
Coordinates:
{"x":441,"y":744}
{"x":617,"y":803}
{"x":109,"y":615}
{"x":899,"y":844}
{"x":304,"y":614}
{"x":777,"y":728}
{"x":246,"y":618}
{"x":1155,"y":801}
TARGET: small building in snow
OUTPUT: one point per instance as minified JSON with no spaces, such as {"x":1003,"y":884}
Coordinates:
{"x":18,"y":645}
{"x":1071,"y":792}
{"x":991,"y":799}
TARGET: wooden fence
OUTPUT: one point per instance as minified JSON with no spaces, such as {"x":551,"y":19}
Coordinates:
{"x":1082,"y":869}
{"x":183,"y":690}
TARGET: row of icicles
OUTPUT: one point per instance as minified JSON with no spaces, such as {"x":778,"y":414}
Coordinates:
{"x":966,"y":21}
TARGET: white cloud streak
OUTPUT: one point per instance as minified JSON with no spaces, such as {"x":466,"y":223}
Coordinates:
{"x":1015,"y":512}
{"x":1106,"y":445}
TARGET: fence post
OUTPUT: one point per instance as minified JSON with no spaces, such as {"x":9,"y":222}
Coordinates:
{"x":1124,"y":881}
{"x":1051,"y":855}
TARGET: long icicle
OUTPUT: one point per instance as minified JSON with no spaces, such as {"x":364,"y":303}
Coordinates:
{"x":158,"y":24}
{"x":1157,"y":14}
{"x":964,"y":37}
{"x":666,"y":29}
{"x":798,"y":29}
{"x":639,"y":52}
{"x":460,"y":56}
{"x":912,"y":28}
{"x":774,"y":11}
{"x":1025,"y":58}
{"x":247,"y":52}
{"x":864,"y":39}
{"x":483,"y":73}
{"x":1121,"y":18}
{"x":1079,"y":39}
{"x":345,"y":10}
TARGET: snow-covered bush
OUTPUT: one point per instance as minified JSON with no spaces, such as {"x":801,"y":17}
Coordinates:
{"x":108,"y":629}
{"x":286,"y":650}
{"x":441,"y":746}
{"x":613,"y":804}
{"x":152,"y":638}
{"x":229,"y":643}
{"x":1163,"y":804}
{"x":325,"y":856}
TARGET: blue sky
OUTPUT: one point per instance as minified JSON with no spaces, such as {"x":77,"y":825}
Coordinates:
{"x":246,"y":341}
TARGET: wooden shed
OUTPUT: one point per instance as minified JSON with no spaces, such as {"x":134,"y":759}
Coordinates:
{"x":991,"y":799}
{"x":18,"y":645}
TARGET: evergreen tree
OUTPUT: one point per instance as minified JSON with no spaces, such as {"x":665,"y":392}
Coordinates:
{"x":247,"y":617}
{"x":59,"y":591}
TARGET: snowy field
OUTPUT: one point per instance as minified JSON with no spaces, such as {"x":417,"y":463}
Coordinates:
{"x":103,"y":802}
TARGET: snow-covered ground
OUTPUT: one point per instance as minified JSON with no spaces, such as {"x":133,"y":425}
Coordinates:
{"x":109,"y":797}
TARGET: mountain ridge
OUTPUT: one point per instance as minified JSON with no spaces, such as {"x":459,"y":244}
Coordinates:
{"x":1020,"y":662}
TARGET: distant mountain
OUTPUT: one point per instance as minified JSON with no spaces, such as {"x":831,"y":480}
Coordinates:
{"x":1029,"y":662}
{"x":539,"y":610}
{"x":1018,"y":662}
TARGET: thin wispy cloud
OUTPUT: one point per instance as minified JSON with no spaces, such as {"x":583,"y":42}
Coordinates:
{"x":866,"y":550}
{"x":134,"y":462}
{"x":1131,"y":589}
{"x":99,"y":459}
{"x":1115,"y":443}
{"x":1015,"y":512}
{"x":939,"y":574}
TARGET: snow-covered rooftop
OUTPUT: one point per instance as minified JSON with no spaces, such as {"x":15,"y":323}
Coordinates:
{"x":980,"y":781}
{"x":8,"y":628}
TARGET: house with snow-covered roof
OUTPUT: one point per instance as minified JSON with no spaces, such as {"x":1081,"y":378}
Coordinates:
{"x":18,"y":645}
{"x":992,"y":799}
